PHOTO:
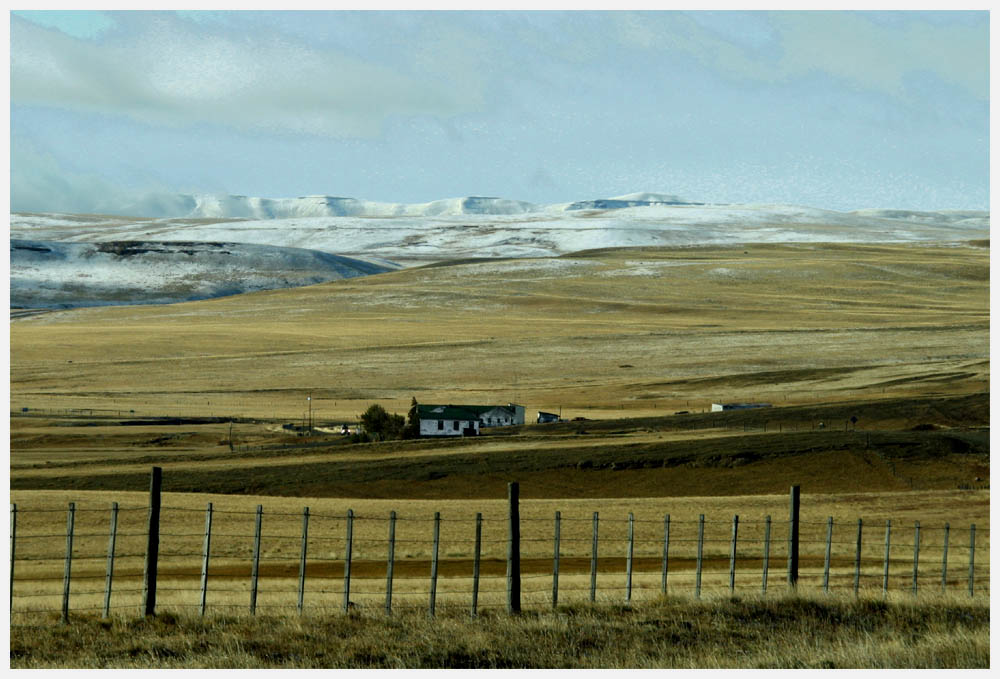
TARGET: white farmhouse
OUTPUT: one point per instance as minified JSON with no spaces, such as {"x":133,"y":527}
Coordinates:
{"x":447,"y":421}
{"x":451,"y":420}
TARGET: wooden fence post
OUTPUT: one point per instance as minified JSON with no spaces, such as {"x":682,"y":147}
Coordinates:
{"x":113,"y":535}
{"x":255,"y":564}
{"x":69,"y":561}
{"x":302,"y":560}
{"x":732,"y":555}
{"x":628,"y":557}
{"x":826,"y":557}
{"x":916,"y":555}
{"x":555,"y":564}
{"x":348,"y":552}
{"x":475,"y":563}
{"x":793,"y":537}
{"x":513,"y":550}
{"x":666,"y":553}
{"x":206,"y":550}
{"x":13,"y":533}
{"x":434,"y":561}
{"x":767,"y":552}
{"x":593,"y":563}
{"x":944,"y":560}
{"x":152,"y":542}
{"x":701,"y":543}
{"x":885,"y":567}
{"x":972,"y":558}
{"x":391,"y":562}
{"x":857,"y":561}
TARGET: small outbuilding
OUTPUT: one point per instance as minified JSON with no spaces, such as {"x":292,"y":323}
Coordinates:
{"x":543,"y":418}
{"x":499,"y":416}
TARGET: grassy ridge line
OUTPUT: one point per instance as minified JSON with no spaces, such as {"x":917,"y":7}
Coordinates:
{"x":362,"y":477}
{"x":780,"y":632}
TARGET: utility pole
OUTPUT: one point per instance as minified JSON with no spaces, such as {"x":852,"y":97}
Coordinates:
{"x":310,"y":399}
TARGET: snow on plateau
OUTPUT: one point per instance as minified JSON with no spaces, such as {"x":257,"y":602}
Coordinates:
{"x":389,"y":235}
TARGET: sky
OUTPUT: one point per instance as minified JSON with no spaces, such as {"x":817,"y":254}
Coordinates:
{"x":829,"y":109}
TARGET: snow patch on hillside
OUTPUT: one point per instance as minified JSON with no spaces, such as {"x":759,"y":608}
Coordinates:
{"x":47,"y":274}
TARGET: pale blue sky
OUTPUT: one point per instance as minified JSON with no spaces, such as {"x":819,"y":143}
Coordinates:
{"x":838,"y":110}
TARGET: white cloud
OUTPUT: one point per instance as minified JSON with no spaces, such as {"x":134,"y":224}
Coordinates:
{"x":39,"y":182}
{"x":846,"y":45}
{"x":849,"y":46}
{"x":168,"y":71}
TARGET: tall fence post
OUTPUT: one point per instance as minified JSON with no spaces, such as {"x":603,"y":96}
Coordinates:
{"x":475,"y":563}
{"x":972,"y":558}
{"x":13,"y":533}
{"x":302,"y":560}
{"x":732,"y":555}
{"x":593,"y":562}
{"x":793,"y":537}
{"x":555,"y":563}
{"x":628,"y":558}
{"x":857,"y":561}
{"x":666,"y":553}
{"x":391,"y":562}
{"x":767,"y":553}
{"x":206,"y":550}
{"x":513,"y":550}
{"x":701,"y":544}
{"x":826,"y":557}
{"x":152,"y":543}
{"x":916,"y":555}
{"x":255,"y":564}
{"x":348,"y":553}
{"x":69,"y":560}
{"x":885,"y":567}
{"x":944,"y":559}
{"x":434,"y":561}
{"x":112,"y":537}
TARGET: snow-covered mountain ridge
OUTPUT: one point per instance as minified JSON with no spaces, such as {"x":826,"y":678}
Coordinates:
{"x":249,"y":207}
{"x":466,"y":227}
{"x":216,"y":206}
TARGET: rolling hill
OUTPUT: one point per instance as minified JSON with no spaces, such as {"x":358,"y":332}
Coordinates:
{"x":53,"y":274}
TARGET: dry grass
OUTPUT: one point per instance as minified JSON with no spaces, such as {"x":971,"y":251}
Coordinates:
{"x":629,"y":332}
{"x":717,"y":632}
{"x":605,"y":335}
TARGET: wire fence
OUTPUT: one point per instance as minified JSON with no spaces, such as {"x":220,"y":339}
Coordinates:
{"x":102,"y":561}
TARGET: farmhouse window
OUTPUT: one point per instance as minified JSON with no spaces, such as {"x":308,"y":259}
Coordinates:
{"x":456,"y":425}
{"x":440,"y":425}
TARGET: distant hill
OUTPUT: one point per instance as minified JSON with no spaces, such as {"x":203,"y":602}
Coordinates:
{"x":494,"y":227}
{"x":247,"y":207}
{"x":48,"y":274}
{"x":193,"y":247}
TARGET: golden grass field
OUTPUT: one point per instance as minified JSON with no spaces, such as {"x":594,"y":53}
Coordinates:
{"x":625,"y":332}
{"x":896,"y":334}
